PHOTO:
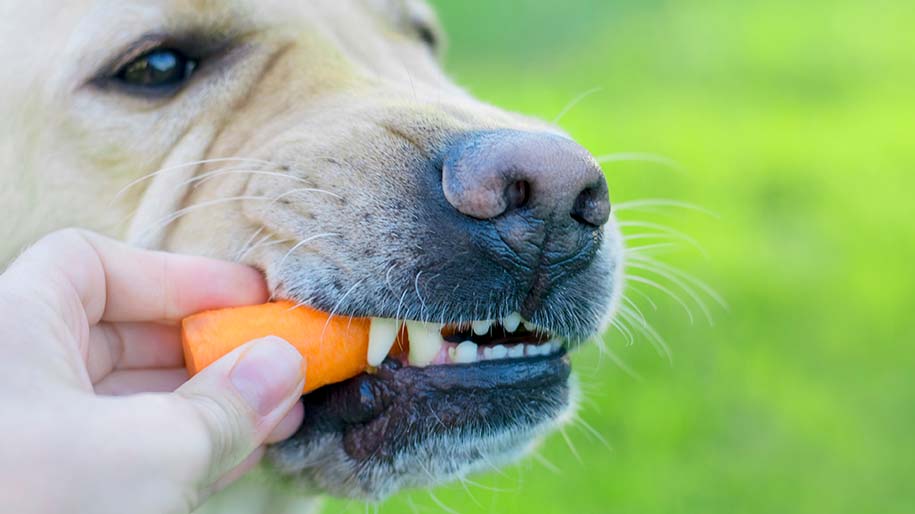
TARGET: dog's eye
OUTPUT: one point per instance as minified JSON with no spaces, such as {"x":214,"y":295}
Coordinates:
{"x":157,"y":69}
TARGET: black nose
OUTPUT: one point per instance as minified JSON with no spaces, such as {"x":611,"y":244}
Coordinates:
{"x":493,"y":174}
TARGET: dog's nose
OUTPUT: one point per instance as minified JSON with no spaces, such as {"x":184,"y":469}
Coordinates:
{"x":491,"y":174}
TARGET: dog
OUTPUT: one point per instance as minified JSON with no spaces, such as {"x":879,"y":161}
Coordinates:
{"x":322,"y":143}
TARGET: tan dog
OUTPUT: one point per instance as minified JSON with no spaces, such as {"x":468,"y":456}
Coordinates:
{"x":320,"y":142}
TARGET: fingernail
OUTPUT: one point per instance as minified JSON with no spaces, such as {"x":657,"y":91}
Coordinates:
{"x":266,"y":374}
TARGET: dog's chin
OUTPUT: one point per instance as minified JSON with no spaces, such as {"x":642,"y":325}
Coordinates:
{"x":404,"y":427}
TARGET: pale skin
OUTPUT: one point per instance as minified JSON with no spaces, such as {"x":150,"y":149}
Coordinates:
{"x":95,"y":409}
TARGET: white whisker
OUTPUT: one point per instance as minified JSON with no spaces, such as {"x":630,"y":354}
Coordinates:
{"x":543,"y":461}
{"x":571,"y":446}
{"x":663,"y":289}
{"x":623,"y":330}
{"x":685,"y":276}
{"x":639,"y":157}
{"x":302,"y":243}
{"x":635,"y":308}
{"x":650,"y":333}
{"x":244,"y":247}
{"x":631,"y":288}
{"x":305,"y":190}
{"x":263,"y":243}
{"x":621,"y":364}
{"x":667,"y":230}
{"x":575,"y":101}
{"x":441,"y":505}
{"x":649,"y":248}
{"x":171,"y":218}
{"x":597,"y":435}
{"x":185,"y":165}
{"x":637,"y":264}
{"x":204,"y":177}
{"x":333,"y":311}
{"x":652,"y":203}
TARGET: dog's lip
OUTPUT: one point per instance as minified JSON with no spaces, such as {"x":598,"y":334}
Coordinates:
{"x":354,"y":408}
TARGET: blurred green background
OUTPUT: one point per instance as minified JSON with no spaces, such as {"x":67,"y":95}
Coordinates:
{"x":794,"y":122}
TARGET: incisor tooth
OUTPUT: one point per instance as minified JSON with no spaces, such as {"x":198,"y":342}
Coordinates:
{"x":516,"y":351}
{"x":499,"y":351}
{"x":425,"y":342}
{"x":511,"y":322}
{"x":382,"y":333}
{"x":465,"y":353}
{"x":481,"y":327}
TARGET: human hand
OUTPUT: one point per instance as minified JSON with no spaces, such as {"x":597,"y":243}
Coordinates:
{"x":89,"y":357}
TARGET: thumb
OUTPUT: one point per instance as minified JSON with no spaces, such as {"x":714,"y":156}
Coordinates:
{"x":229,"y":408}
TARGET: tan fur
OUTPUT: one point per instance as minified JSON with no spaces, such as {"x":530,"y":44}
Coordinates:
{"x":336,"y":97}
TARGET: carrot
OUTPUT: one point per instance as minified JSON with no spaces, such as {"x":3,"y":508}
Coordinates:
{"x":334,"y":350}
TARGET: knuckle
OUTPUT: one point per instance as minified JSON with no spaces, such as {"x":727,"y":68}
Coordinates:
{"x":219,"y":433}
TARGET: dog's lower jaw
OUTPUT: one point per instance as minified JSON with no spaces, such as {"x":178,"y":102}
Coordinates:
{"x":424,"y":440}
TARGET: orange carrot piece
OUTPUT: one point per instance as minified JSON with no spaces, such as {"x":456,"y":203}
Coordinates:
{"x":334,"y":349}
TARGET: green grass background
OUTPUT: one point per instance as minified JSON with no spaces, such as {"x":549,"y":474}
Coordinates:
{"x":795,"y":123}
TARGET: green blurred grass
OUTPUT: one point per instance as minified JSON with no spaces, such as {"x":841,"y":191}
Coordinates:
{"x":793,"y":121}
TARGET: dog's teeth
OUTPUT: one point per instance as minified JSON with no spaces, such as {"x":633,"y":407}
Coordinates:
{"x":451,"y":353}
{"x":487,"y":353}
{"x":499,"y":351}
{"x":481,"y":327}
{"x":465,"y":353}
{"x":530,"y":327}
{"x":511,"y":322}
{"x":516,"y":351}
{"x":425,"y":342}
{"x":555,"y":345}
{"x":531,"y":350}
{"x":382,"y":333}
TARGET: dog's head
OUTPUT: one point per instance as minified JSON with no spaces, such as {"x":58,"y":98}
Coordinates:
{"x":320,"y":141}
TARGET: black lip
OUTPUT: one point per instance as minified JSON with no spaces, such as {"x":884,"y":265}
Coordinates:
{"x":380,"y":412}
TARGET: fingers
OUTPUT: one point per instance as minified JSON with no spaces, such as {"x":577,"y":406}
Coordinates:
{"x":229,"y":409}
{"x":115,"y":282}
{"x":124,"y":346}
{"x":135,"y":381}
{"x":288,"y":426}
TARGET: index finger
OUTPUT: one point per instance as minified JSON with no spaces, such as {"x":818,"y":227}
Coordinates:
{"x":116,"y":282}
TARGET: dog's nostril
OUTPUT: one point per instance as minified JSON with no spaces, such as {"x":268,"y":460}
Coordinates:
{"x":591,"y":208}
{"x":517,"y":194}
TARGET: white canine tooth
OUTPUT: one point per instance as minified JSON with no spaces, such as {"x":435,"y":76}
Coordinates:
{"x":466,"y":353}
{"x":487,"y":352}
{"x":516,"y":351}
{"x":425,"y":342}
{"x":511,"y":322}
{"x":382,"y":333}
{"x":481,"y":327}
{"x":529,"y":326}
{"x":499,"y":351}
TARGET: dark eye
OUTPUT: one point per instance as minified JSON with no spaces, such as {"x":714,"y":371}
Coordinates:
{"x":157,"y":70}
